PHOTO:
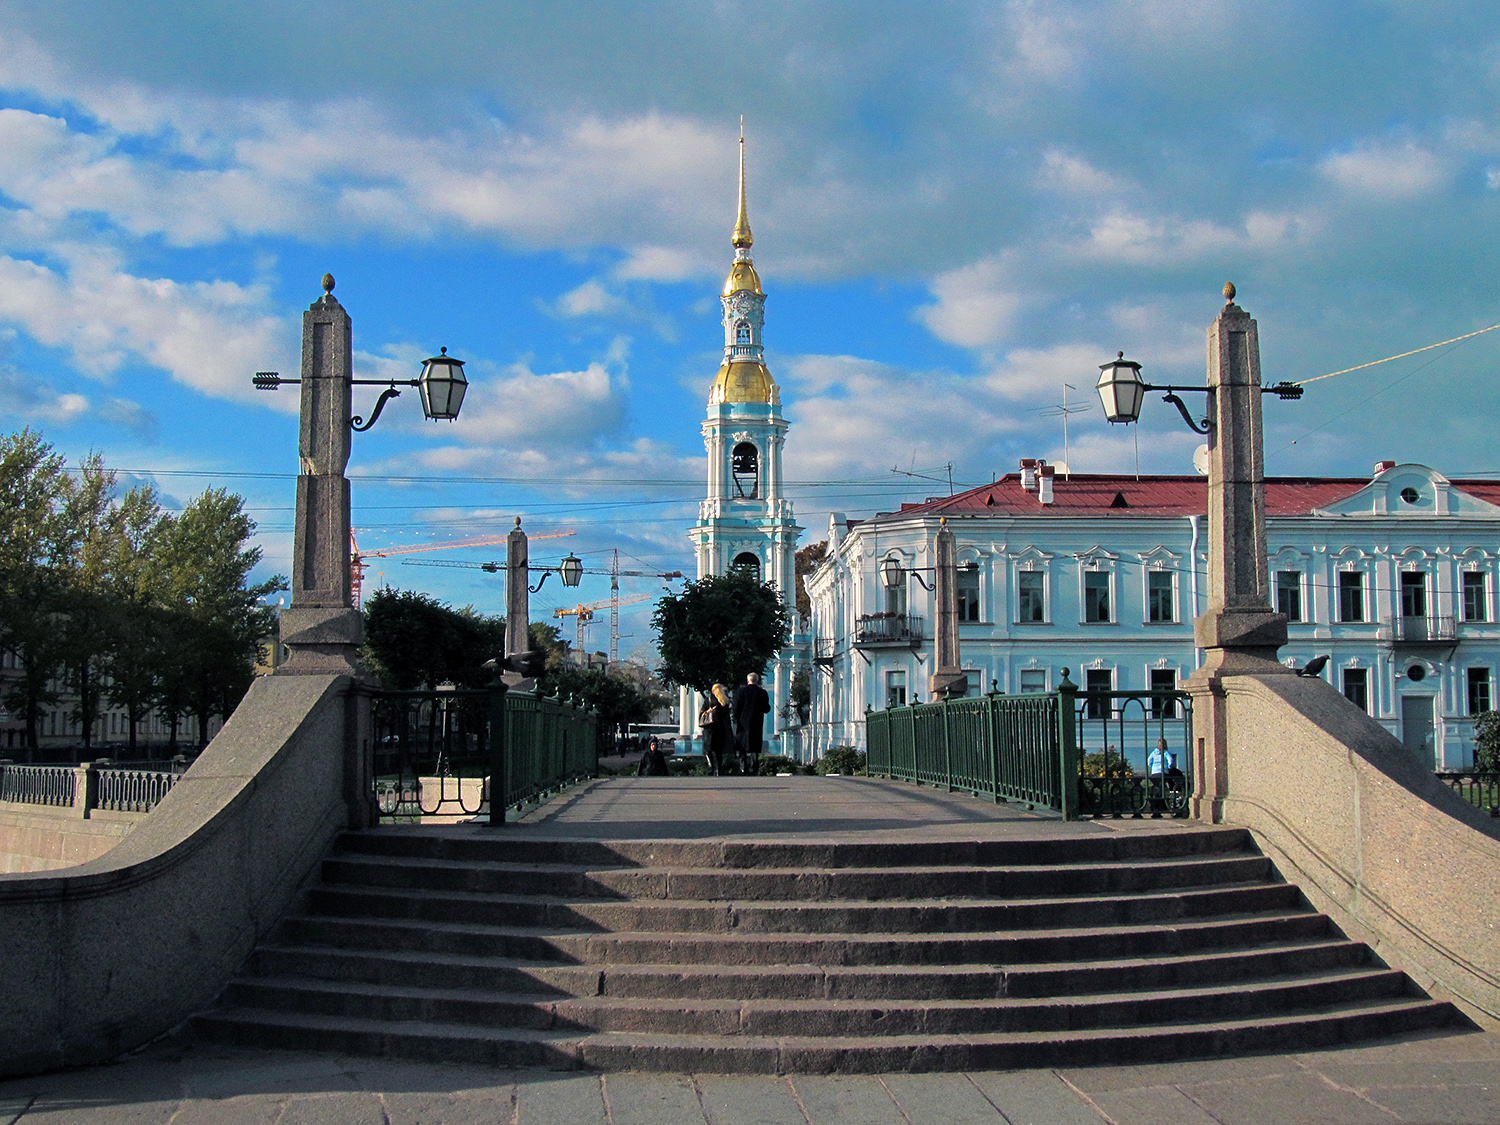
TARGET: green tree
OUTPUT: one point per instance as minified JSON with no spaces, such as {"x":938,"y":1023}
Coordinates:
{"x":1487,"y":742}
{"x":720,"y":629}
{"x":45,"y":516}
{"x":619,"y":701}
{"x":804,"y":562}
{"x":415,"y":641}
{"x":206,"y":564}
{"x":133,"y":581}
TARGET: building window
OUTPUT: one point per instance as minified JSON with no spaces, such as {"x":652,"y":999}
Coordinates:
{"x":744,"y":465}
{"x":1357,"y":687}
{"x":1479,"y":690}
{"x":742,"y":332}
{"x":1476,"y":605}
{"x":1160,"y":604}
{"x":1033,"y":680}
{"x":1351,"y":595}
{"x":1031,"y":605}
{"x":895,"y":688}
{"x":1413,"y":593}
{"x":1094,"y":680}
{"x":1095,"y":596}
{"x":968,"y":592}
{"x":1163,"y":679}
{"x":1289,"y":594}
{"x":973,"y":682}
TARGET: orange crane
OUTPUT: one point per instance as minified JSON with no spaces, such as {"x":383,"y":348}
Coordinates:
{"x":585,"y":613}
{"x":357,"y":557}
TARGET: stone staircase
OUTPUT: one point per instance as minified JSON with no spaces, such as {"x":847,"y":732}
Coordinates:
{"x":714,"y":956}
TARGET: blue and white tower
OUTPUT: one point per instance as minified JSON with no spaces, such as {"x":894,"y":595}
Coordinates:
{"x":746,"y":521}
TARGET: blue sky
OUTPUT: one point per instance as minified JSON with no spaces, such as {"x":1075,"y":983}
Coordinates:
{"x":958,"y":208}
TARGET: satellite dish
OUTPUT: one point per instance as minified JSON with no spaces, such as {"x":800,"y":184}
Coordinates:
{"x":1200,"y":460}
{"x":1060,"y":468}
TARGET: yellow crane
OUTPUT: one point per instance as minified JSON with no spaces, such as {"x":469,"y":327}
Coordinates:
{"x":357,"y":563}
{"x":585,"y":613}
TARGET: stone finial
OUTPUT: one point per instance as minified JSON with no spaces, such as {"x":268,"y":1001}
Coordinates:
{"x":328,"y":283}
{"x":1228,"y":294}
{"x":518,"y":521}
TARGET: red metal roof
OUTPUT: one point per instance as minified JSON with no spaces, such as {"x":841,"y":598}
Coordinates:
{"x":1103,"y":495}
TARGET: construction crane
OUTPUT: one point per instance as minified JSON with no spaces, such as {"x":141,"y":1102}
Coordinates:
{"x":585,"y":613}
{"x":614,"y":603}
{"x":357,"y":564}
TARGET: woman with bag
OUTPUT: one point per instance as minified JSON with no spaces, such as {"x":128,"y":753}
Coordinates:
{"x":713,"y":717}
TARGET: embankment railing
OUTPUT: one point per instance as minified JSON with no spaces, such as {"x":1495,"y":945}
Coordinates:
{"x":1482,"y":790}
{"x":442,"y":753}
{"x":89,"y":786}
{"x":1077,"y":753}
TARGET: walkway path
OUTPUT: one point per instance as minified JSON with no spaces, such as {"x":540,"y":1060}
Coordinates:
{"x":1441,"y":1078}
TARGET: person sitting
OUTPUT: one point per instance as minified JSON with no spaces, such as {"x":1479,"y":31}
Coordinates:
{"x":653,"y":762}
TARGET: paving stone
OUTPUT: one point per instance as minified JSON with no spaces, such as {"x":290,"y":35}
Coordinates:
{"x":1291,"y":1099}
{"x":360,"y":1108}
{"x":557,"y":1099}
{"x":1451,"y":1105}
{"x":749,"y":1101}
{"x":651,"y":1099}
{"x":1156,"y":1105}
{"x":55,"y":1109}
{"x":270,"y":1073}
{"x":484,"y":1107}
{"x":858,"y":1100}
{"x":941,"y":1099}
{"x":1034,"y":1097}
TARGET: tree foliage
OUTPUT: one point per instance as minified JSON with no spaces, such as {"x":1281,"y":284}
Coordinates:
{"x":108,"y":598}
{"x":1487,"y":742}
{"x":415,"y":641}
{"x":805,"y":561}
{"x":612,"y":692}
{"x":720,"y":629}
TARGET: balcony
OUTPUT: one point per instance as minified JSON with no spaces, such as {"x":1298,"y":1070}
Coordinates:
{"x":1418,"y":631}
{"x":885,"y":630}
{"x":824,"y":650}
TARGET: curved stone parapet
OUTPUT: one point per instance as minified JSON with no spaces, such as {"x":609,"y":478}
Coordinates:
{"x":105,"y":956}
{"x":1373,"y":839}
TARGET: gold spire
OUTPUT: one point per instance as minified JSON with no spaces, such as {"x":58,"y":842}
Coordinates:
{"x":742,"y":236}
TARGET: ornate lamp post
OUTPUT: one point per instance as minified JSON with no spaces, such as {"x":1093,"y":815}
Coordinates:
{"x":321,"y":627}
{"x":1239,"y":631}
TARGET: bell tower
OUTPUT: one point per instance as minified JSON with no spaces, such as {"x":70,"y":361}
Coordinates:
{"x":746,"y":519}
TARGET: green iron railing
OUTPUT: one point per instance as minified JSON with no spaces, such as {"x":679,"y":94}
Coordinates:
{"x":436,"y":753}
{"x":1077,"y":753}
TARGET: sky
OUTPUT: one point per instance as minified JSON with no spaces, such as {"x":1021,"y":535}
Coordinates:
{"x":960,"y":211}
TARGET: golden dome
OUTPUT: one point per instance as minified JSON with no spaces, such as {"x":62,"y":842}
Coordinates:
{"x":743,"y":380}
{"x":742,"y":275}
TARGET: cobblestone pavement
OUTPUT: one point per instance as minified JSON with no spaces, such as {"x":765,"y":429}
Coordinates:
{"x":1443,"y":1078}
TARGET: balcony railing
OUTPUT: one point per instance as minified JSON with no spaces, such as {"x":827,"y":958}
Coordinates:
{"x":1427,"y":629}
{"x":824,"y":650}
{"x":872,"y":629}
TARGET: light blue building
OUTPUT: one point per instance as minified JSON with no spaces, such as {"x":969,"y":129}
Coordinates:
{"x":1393,"y":578}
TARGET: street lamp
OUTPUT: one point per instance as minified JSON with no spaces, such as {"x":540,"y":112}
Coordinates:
{"x":891,"y":572}
{"x":570,"y":568}
{"x":442,"y":386}
{"x":1121,"y":389}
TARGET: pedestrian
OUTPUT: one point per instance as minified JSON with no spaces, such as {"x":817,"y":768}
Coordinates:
{"x":653,"y":762}
{"x":714,"y":718}
{"x":751,"y":706}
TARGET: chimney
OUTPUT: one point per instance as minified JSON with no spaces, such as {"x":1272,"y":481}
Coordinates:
{"x":1382,"y":466}
{"x":1028,"y":473}
{"x":1044,"y":484}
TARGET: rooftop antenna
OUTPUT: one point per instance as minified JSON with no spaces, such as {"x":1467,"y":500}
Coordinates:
{"x":1062,"y":410}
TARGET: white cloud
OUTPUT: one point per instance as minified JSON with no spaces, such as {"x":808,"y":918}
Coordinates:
{"x":208,"y":335}
{"x":977,"y":305}
{"x":1067,"y":172}
{"x":1035,"y":376}
{"x":589,"y":299}
{"x":535,"y":415}
{"x":1385,"y":171}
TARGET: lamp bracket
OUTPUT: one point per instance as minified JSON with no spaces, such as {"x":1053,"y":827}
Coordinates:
{"x":1207,"y":424}
{"x":359,"y":425}
{"x":547,"y":573}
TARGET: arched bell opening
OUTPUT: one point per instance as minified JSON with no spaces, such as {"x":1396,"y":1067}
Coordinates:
{"x":744,"y":466}
{"x":747,"y":563}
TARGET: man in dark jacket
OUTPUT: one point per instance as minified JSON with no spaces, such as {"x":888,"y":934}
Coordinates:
{"x":751,"y":706}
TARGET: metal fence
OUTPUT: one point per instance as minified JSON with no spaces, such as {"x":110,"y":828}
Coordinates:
{"x":1078,"y":753}
{"x":1482,"y":790}
{"x":89,"y":786}
{"x":442,"y":753}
